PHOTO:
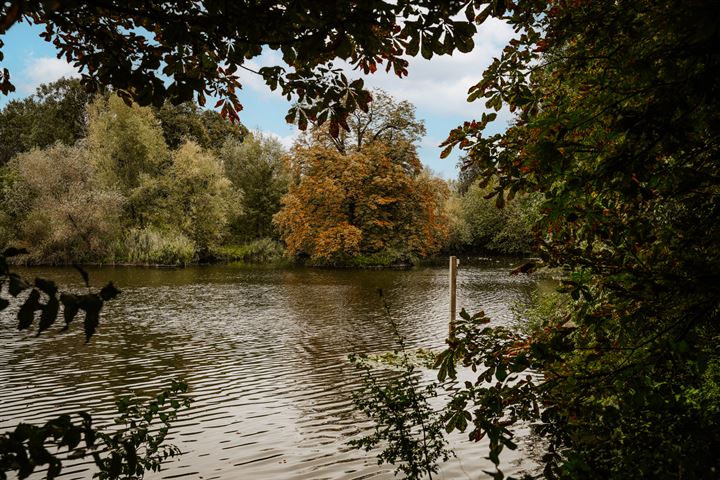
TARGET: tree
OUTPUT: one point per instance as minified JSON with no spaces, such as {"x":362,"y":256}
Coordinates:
{"x":617,"y":127}
{"x":133,"y":46}
{"x":59,"y":207}
{"x":378,"y":201}
{"x":128,"y":149}
{"x":258,"y":172}
{"x":199,"y":196}
{"x":186,"y":121}
{"x":386,"y":121}
{"x":479,"y":226}
{"x":55,"y":113}
{"x":343,"y":206}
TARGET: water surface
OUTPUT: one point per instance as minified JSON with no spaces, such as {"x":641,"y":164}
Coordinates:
{"x":264,"y":351}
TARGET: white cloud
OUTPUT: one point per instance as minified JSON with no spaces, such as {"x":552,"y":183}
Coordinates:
{"x":45,"y":70}
{"x":256,"y":83}
{"x":440,"y":85}
{"x":286,"y":140}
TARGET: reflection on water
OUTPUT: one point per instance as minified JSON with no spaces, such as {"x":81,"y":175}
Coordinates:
{"x":264,"y":351}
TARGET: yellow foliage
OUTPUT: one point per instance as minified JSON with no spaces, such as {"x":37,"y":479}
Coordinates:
{"x":343,"y":205}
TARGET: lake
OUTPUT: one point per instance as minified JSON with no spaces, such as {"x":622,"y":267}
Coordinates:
{"x":265,"y":353}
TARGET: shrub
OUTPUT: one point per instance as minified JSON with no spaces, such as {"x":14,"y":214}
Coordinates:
{"x":264,"y":250}
{"x":154,"y":247}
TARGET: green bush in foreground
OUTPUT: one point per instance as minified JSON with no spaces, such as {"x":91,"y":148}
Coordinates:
{"x":133,"y":446}
{"x":406,"y":425}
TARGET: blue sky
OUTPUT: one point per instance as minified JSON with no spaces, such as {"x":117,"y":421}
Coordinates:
{"x":436,"y":87}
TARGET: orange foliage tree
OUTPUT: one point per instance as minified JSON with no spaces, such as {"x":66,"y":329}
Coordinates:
{"x":361,"y":206}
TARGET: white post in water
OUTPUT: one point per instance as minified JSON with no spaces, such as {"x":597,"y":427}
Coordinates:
{"x":453,"y":288}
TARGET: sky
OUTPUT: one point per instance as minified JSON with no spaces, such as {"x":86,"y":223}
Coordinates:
{"x":437,"y":87}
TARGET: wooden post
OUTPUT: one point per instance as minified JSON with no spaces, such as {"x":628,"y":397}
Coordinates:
{"x":453,"y":289}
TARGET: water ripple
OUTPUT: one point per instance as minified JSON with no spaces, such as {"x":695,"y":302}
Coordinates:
{"x":265,"y":353}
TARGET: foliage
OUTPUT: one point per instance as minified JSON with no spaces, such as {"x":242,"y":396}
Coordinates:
{"x":187,"y":122}
{"x":264,"y":250}
{"x":386,"y":122}
{"x":405,"y":422}
{"x":136,"y":46}
{"x":359,"y":203}
{"x":199,"y":196}
{"x":369,"y":204}
{"x":137,"y":446}
{"x":155,"y":247}
{"x":73,"y":203}
{"x":127,"y":146}
{"x":617,"y":127}
{"x":57,"y":205}
{"x":55,"y":113}
{"x":543,"y":308}
{"x":45,"y":290}
{"x":421,"y":357}
{"x":389,"y":257}
{"x":477,"y":225}
{"x":258,"y":172}
{"x":127,"y":451}
{"x":501,"y":396}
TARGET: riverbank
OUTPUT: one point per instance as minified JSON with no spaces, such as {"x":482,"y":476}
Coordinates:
{"x":268,"y":256}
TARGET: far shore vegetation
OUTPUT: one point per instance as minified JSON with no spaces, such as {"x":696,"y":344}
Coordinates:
{"x":91,"y":179}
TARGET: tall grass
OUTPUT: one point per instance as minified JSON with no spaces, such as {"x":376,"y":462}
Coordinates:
{"x":154,"y":247}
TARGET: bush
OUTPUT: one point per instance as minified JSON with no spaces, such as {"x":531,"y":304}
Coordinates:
{"x":153,"y":247}
{"x":478,"y":225}
{"x":264,"y":250}
{"x":544,"y":308}
{"x":385,"y":258}
{"x":53,"y":201}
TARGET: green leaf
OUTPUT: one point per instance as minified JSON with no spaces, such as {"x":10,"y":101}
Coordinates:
{"x":109,"y":292}
{"x":500,"y":200}
{"x":131,"y":457}
{"x":413,"y":45}
{"x":426,"y":50}
{"x":26,"y":314}
{"x":71,"y":305}
{"x":49,"y":314}
{"x":16,"y":285}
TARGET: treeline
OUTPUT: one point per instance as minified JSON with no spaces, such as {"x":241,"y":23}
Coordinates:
{"x":91,"y":179}
{"x":95,"y":180}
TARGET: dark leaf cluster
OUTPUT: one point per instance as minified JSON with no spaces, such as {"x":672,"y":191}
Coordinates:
{"x":616,"y":126}
{"x":201,"y":46}
{"x":44,"y":297}
{"x":134,"y":446}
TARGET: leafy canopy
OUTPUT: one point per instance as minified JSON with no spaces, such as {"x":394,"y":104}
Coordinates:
{"x":258,"y":171}
{"x":200,"y":46}
{"x":617,"y":127}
